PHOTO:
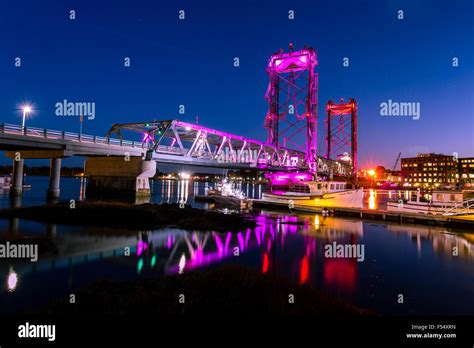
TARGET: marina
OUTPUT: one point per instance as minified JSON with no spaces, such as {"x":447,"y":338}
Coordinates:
{"x":289,"y":244}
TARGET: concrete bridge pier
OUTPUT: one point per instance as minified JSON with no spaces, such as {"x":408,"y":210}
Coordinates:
{"x":54,"y":174}
{"x":16,"y":189}
{"x":54,"y":179}
{"x":117,"y":177}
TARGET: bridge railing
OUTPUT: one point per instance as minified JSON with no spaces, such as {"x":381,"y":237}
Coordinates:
{"x":462,"y":208}
{"x":13,"y":129}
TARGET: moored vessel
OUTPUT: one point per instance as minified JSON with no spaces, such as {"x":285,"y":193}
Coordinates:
{"x":316,"y":195}
{"x":441,"y":203}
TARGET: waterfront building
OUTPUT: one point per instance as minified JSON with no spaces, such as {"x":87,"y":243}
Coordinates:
{"x":466,"y":171}
{"x":430,"y":170}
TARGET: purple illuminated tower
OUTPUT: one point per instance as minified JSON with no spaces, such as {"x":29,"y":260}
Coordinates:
{"x":292,"y":97}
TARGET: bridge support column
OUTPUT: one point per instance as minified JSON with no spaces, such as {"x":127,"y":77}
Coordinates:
{"x":16,"y":189}
{"x":115,"y":177}
{"x":54,"y":178}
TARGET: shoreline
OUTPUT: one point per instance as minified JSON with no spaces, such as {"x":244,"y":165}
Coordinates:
{"x":132,"y":217}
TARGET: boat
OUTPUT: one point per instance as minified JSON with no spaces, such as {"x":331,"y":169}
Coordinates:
{"x":225,"y":194}
{"x":316,"y":195}
{"x":5,"y":182}
{"x":441,"y":203}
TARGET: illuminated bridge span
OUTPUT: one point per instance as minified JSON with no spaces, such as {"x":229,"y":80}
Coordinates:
{"x":173,"y":142}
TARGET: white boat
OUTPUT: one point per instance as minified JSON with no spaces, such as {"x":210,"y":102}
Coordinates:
{"x":317,"y":195}
{"x":226,"y":194}
{"x":441,"y":202}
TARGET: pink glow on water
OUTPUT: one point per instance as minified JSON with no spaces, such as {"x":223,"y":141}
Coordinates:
{"x":227,"y":242}
{"x":142,"y":246}
{"x":220,"y":246}
{"x":257,"y":235}
{"x":241,"y":241}
{"x":198,"y":255}
{"x":12,"y":281}
{"x":247,"y":237}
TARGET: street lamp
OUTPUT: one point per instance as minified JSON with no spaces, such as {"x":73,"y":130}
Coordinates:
{"x":26,"y":110}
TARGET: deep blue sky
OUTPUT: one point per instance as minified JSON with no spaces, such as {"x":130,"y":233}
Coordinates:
{"x":190,"y":62}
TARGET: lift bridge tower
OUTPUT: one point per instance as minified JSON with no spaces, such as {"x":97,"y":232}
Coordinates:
{"x":292,"y":97}
{"x":341,"y":138}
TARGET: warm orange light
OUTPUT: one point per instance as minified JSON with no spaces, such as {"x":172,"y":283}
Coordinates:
{"x":371,"y":172}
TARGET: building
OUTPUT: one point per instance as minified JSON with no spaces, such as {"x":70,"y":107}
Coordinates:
{"x":430,"y":170}
{"x":466,"y":171}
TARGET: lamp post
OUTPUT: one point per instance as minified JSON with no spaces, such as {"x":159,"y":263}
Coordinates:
{"x":26,"y":110}
{"x":81,"y":119}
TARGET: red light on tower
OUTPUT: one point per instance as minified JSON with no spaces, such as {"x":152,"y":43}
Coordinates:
{"x":341,"y":136}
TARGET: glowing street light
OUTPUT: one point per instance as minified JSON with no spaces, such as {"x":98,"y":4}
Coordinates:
{"x":26,"y":110}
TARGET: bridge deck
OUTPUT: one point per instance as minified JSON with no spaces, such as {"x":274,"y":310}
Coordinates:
{"x":172,"y":142}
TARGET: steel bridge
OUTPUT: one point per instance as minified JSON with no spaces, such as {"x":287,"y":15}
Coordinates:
{"x":174,"y":141}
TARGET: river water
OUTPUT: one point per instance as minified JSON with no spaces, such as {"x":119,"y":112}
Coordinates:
{"x":411,"y":260}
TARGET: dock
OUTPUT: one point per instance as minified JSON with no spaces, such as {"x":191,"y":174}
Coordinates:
{"x":458,"y":221}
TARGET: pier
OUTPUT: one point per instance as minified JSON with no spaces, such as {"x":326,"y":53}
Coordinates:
{"x":460,"y":221}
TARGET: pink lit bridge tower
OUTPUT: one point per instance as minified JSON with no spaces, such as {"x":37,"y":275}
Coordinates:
{"x":341,"y":139}
{"x":292,"y":97}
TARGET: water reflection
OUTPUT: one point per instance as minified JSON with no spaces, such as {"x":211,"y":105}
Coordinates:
{"x":12,"y":280}
{"x":372,"y":197}
{"x":442,"y":242}
{"x":288,"y":245}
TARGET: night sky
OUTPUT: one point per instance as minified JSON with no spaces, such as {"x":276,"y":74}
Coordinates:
{"x":190,"y":62}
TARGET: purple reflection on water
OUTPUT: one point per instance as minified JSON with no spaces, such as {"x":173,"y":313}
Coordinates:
{"x":142,"y":246}
{"x":241,"y":241}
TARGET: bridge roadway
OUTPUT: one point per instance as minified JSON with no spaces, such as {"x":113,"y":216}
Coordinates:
{"x":178,"y":143}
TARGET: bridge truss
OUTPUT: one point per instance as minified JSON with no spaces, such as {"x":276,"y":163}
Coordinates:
{"x":341,"y":139}
{"x":174,"y":141}
{"x":291,"y":120}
